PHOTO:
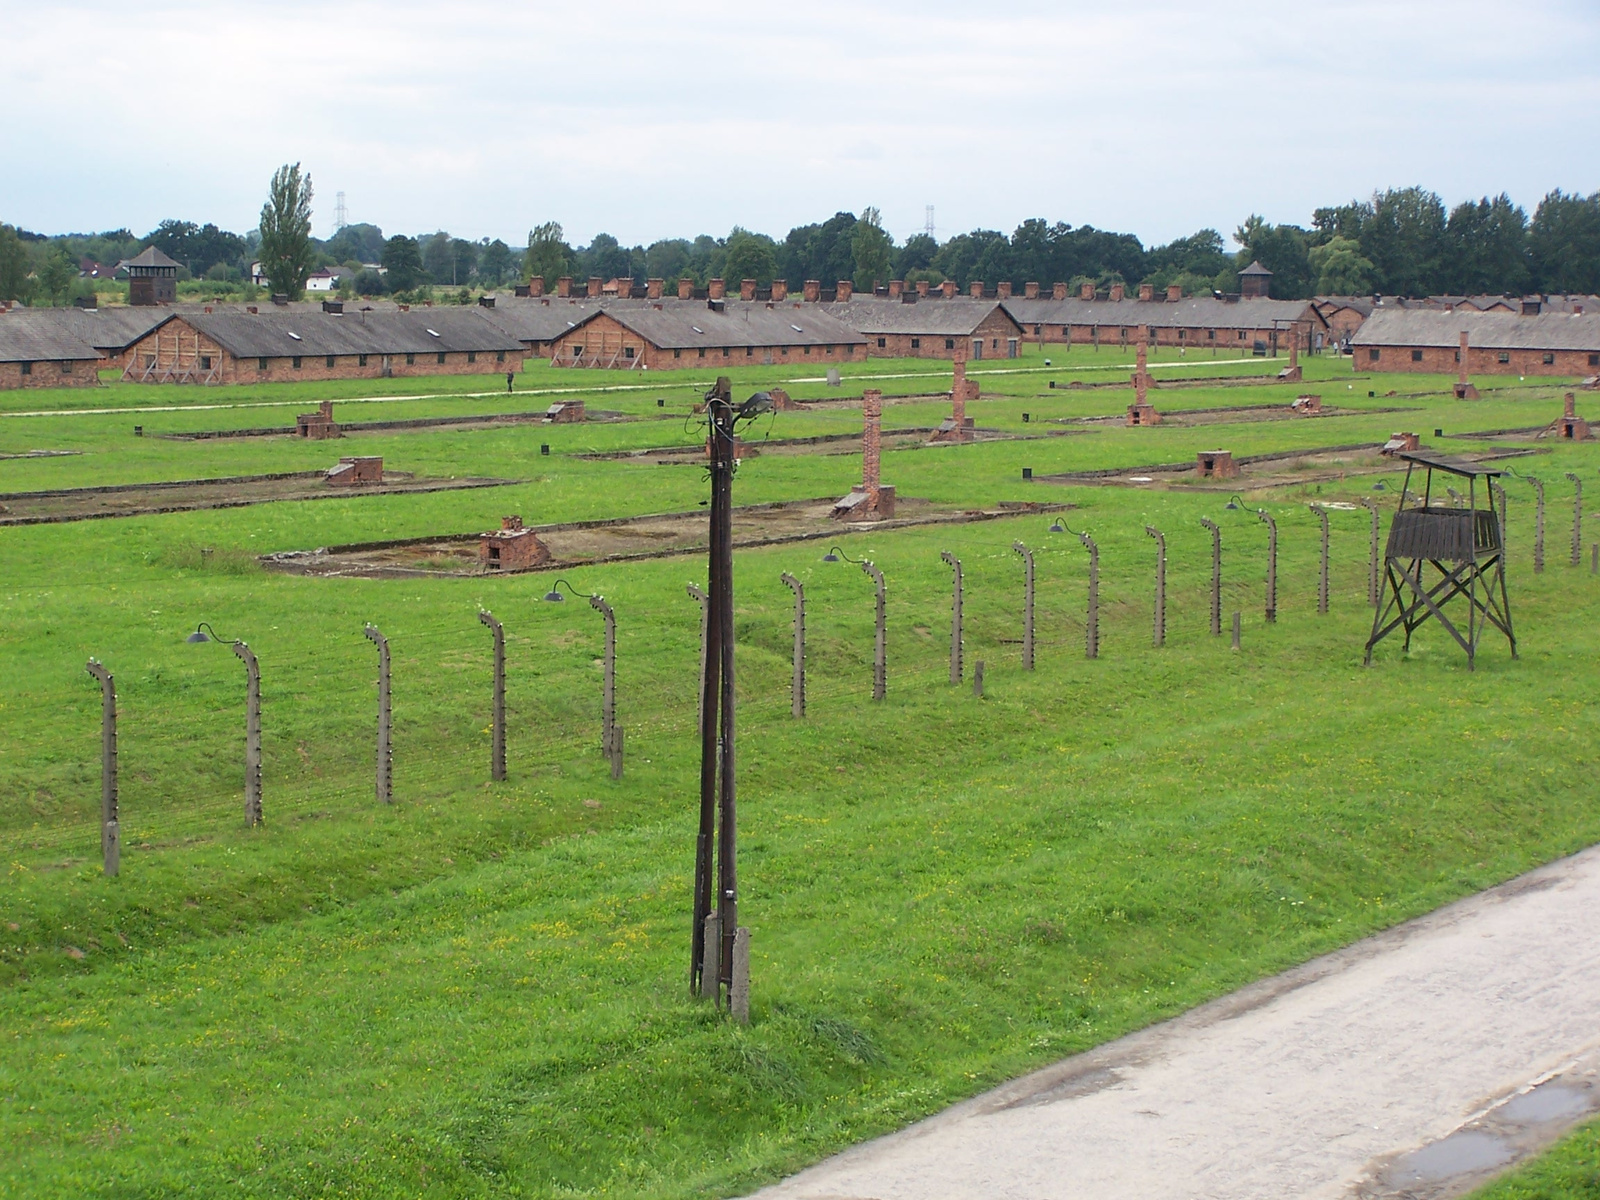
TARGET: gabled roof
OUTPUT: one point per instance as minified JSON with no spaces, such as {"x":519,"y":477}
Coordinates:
{"x":681,"y":324}
{"x":273,"y":334}
{"x":532,"y":320}
{"x":24,"y":340}
{"x":1193,"y":312}
{"x":956,"y":317}
{"x":1485,"y":330}
{"x":106,"y":329}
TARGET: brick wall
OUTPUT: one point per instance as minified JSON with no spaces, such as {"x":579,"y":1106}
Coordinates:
{"x":604,"y":339}
{"x":1443,"y":360}
{"x":80,"y":373}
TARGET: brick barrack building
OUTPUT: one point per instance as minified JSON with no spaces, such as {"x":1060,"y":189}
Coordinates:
{"x":1498,"y":343}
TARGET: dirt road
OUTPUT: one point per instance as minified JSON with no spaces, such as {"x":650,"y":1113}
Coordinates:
{"x":1417,"y":1063}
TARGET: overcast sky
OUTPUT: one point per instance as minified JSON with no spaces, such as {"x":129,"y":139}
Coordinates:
{"x":659,"y":119}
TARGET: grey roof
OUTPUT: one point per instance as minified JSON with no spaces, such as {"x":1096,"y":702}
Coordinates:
{"x":24,"y":340}
{"x":272,"y":334}
{"x":150,"y":257}
{"x":533,"y":320}
{"x":873,"y":315}
{"x":1361,"y":304}
{"x":106,"y":329}
{"x":1193,"y":312}
{"x":1485,"y":331}
{"x":1255,"y":268}
{"x":680,"y":324}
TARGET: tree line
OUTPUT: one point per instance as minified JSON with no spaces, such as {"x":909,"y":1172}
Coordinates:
{"x":1401,"y":241}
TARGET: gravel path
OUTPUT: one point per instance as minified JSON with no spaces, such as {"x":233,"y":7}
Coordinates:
{"x":1416,"y":1064}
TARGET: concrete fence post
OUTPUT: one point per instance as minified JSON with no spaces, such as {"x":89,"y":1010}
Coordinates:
{"x":797,"y":686}
{"x":1322,"y":573}
{"x":955,"y":616}
{"x":1216,"y":576}
{"x":1374,"y":586}
{"x":1272,"y":564}
{"x":110,"y":849}
{"x":1092,"y":629}
{"x":880,"y":641}
{"x":1160,"y":631}
{"x":614,"y":752}
{"x":739,"y":987}
{"x":385,"y":764}
{"x":1577,"y":518}
{"x":252,"y":733}
{"x":1027,"y":604}
{"x":608,"y":700}
{"x":497,"y":747}
{"x":697,"y":593}
{"x":711,"y":971}
{"x":1538,"y":524}
{"x":1236,"y":629}
{"x":977,"y":679}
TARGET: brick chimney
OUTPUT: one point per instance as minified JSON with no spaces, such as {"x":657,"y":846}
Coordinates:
{"x":1570,"y":411}
{"x":1174,"y":292}
{"x":871,"y":443}
{"x":975,"y":289}
{"x":948,"y":287}
{"x":511,"y":522}
{"x":596,"y":287}
{"x":922,"y":287}
{"x":1086,"y":291}
{"x":1058,"y":291}
{"x":685,"y":289}
{"x":1030,"y":291}
{"x":1463,"y":356}
{"x":652,"y":288}
{"x":1117,"y":292}
{"x":812,"y":290}
{"x":536,"y":286}
{"x":844,"y":290}
{"x":896,"y":286}
{"x":564,"y":286}
{"x":1147,"y":291}
{"x":716,"y":290}
{"x":747,"y":289}
{"x":1002,"y":290}
{"x":958,"y":389}
{"x":780,"y":289}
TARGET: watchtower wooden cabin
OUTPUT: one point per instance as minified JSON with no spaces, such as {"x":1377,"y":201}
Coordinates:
{"x":1463,"y":546}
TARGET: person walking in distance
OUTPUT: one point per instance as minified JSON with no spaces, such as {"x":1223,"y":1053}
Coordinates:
{"x":510,"y":377}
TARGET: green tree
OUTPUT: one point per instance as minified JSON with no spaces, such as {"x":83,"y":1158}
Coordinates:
{"x":15,"y":268}
{"x":916,"y":255}
{"x":56,"y":274}
{"x":1564,"y":243}
{"x":872,"y":249}
{"x":402,"y":261}
{"x":286,"y":250}
{"x":1405,"y":239}
{"x":749,"y":256}
{"x":1340,"y":270}
{"x":1283,"y":250}
{"x":1486,"y":247}
{"x":548,"y":256}
{"x":494,"y":260}
{"x":437,"y":259}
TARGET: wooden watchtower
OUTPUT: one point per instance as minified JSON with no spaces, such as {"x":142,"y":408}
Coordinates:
{"x":1460,"y":546}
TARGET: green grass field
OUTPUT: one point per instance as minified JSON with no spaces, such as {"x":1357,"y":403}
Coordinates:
{"x":481,"y":990}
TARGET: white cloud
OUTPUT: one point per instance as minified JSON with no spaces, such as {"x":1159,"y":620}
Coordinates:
{"x":661,"y":119}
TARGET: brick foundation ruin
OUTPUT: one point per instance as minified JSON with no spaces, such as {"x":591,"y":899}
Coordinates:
{"x":356,"y":471}
{"x":511,"y":547}
{"x":564,"y":412}
{"x":318,"y":425}
{"x":1305,"y":405}
{"x":1216,"y":464}
{"x":872,"y":500}
{"x":1402,"y":441}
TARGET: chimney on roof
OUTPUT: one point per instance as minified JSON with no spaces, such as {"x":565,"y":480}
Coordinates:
{"x":1058,"y":291}
{"x":780,"y":290}
{"x":282,"y":300}
{"x":511,"y":522}
{"x":1086,"y":291}
{"x":564,"y":287}
{"x":922,"y":287}
{"x":717,"y":290}
{"x":1117,"y":291}
{"x":685,"y":289}
{"x":536,"y":286}
{"x":948,"y":287}
{"x":747,"y":289}
{"x":1002,"y":290}
{"x":844,"y":290}
{"x":1174,"y":292}
{"x":1030,"y":291}
{"x":896,"y":286}
{"x":652,"y":288}
{"x":975,"y":289}
{"x":1147,"y":291}
{"x":596,"y":287}
{"x":812,"y":290}
{"x":1530,"y":307}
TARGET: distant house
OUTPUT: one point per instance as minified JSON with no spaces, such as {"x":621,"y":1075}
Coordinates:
{"x":1498,"y":343}
{"x":43,"y":354}
{"x":914,"y":327}
{"x":327,"y":279}
{"x":668,"y":334}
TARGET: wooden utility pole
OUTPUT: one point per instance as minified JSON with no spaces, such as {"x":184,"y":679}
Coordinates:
{"x":955,"y":616}
{"x":1216,"y":576}
{"x":1374,"y":587}
{"x":252,"y":733}
{"x":880,"y":637}
{"x":1272,"y":564}
{"x":385,"y":768}
{"x":1577,"y":518}
{"x":110,"y":830}
{"x":1538,"y":525}
{"x":797,"y":688}
{"x":1027,"y":604}
{"x":1159,"y":635}
{"x":1092,"y":629}
{"x":1322,"y":574}
{"x":698,"y":593}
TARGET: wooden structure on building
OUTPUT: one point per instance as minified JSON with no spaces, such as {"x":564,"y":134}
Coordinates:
{"x":1461,"y":547}
{"x":152,"y":278}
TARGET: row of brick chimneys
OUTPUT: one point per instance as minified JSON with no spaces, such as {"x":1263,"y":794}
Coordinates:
{"x":812,"y":292}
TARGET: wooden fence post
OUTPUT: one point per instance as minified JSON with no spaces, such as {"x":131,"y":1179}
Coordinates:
{"x":797,"y":686}
{"x":1092,"y":629}
{"x":1538,"y":525}
{"x":497,"y":748}
{"x":955,"y":616}
{"x":252,"y":733}
{"x":1272,"y":564}
{"x":697,"y":593}
{"x":1216,"y":576}
{"x":1027,"y":604}
{"x":1577,"y":518}
{"x":1374,"y":587}
{"x":1160,"y":632}
{"x":608,"y":698}
{"x":385,"y":767}
{"x":880,"y":641}
{"x":110,"y":844}
{"x":1322,"y":573}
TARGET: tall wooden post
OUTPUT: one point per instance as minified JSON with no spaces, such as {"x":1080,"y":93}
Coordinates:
{"x":1092,"y":630}
{"x":797,"y":686}
{"x":1216,"y":576}
{"x":695,"y":593}
{"x":880,"y":640}
{"x":1538,"y":525}
{"x":1374,"y":587}
{"x":955,"y":616}
{"x":608,"y":696}
{"x":1160,"y":631}
{"x":1322,"y":574}
{"x":385,"y":769}
{"x":1577,"y":518}
{"x":497,"y":746}
{"x":1027,"y":604}
{"x":1497,"y":494}
{"x":252,"y":733}
{"x":1272,"y":564}
{"x":110,"y":841}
